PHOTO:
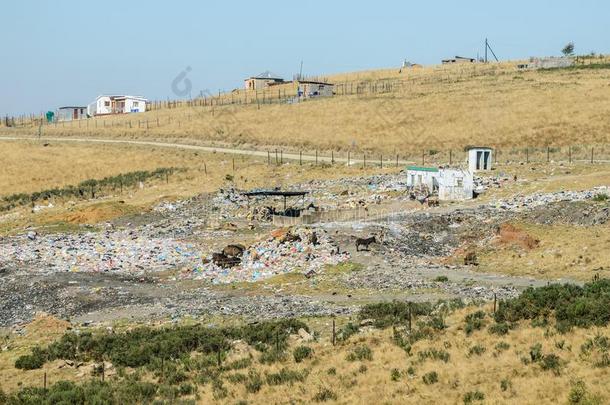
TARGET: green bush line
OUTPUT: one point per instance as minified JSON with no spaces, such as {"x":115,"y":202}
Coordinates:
{"x":571,"y":305}
{"x":86,"y":188}
{"x":144,"y":346}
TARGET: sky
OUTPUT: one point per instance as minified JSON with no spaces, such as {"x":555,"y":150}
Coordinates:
{"x":57,"y":53}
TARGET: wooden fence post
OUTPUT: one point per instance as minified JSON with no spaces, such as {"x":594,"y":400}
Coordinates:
{"x":334,"y":331}
{"x":332,"y":157}
{"x":381,"y":161}
{"x":423,"y":158}
{"x":570,"y":154}
{"x":591,"y":154}
{"x":450,"y":157}
{"x":300,"y":158}
{"x":268,"y":158}
{"x":364,"y":162}
{"x":316,"y":157}
{"x":495,"y":299}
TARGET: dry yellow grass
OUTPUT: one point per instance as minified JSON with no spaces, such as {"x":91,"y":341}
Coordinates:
{"x":575,"y":252}
{"x":431,"y":108}
{"x":356,"y":382}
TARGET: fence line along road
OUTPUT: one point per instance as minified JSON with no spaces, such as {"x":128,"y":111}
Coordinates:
{"x":370,"y":159}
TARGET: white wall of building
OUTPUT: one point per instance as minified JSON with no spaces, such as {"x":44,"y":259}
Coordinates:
{"x":451,"y":183}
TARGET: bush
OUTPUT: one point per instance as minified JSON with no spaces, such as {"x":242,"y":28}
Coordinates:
{"x":501,"y":346}
{"x":331,"y":371}
{"x":434,"y":354}
{"x":499,"y":329}
{"x":476,"y":350}
{"x":395,"y":374}
{"x":360,"y":353}
{"x":301,"y":353}
{"x":430,"y":378}
{"x":571,"y":305}
{"x":324,"y":394}
{"x":386,"y":314}
{"x":472,"y":396}
{"x":441,"y":279}
{"x":474,"y":321}
{"x":505,"y":384}
{"x":254,"y":382}
{"x":551,"y":362}
{"x":286,"y":376}
{"x":30,"y":361}
{"x":347,"y":331}
{"x":601,"y":197}
{"x":536,"y":352}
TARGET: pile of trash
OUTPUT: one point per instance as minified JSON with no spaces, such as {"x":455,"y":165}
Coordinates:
{"x":111,"y":251}
{"x":285,"y":251}
{"x":539,"y":199}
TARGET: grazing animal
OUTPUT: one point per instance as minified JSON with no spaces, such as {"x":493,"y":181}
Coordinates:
{"x":223,"y":261}
{"x":366,"y":242}
{"x":233,"y":251}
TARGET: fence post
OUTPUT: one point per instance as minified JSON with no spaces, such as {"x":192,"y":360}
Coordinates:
{"x":316,"y":157}
{"x":450,"y":157}
{"x":410,"y":316}
{"x":381,"y":161}
{"x":495,"y":299}
{"x":44,"y":383}
{"x":364,"y":162}
{"x":300,"y":158}
{"x":397,"y":160}
{"x":276,"y":157}
{"x":268,"y":158}
{"x":591,"y":154}
{"x":233,"y":164}
{"x":527,"y":155}
{"x":348,"y":158}
{"x":423,"y":158}
{"x":332,"y":157}
{"x":548,"y":154}
{"x":570,"y":154}
{"x":282,"y":157}
{"x":334,"y":331}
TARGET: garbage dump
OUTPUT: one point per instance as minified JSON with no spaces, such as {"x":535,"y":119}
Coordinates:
{"x":286,"y":250}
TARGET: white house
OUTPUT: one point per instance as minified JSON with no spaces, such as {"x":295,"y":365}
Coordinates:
{"x":479,"y":158}
{"x":117,"y":104}
{"x":449,"y":183}
{"x":262,"y":81}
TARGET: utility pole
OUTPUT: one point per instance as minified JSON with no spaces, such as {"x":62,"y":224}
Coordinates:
{"x":486,"y":45}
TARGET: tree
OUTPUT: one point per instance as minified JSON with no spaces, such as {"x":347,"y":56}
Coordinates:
{"x":568,"y":50}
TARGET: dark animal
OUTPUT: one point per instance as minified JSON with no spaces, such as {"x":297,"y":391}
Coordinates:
{"x":223,"y":261}
{"x":366,"y":242}
{"x":233,"y":251}
{"x":313,"y":239}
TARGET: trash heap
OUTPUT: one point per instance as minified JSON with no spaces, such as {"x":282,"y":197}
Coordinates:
{"x":115,"y":251}
{"x":285,"y":251}
{"x":539,"y":199}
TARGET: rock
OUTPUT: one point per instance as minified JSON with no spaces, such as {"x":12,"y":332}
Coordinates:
{"x":32,"y":235}
{"x":367,"y":322}
{"x":304,"y":335}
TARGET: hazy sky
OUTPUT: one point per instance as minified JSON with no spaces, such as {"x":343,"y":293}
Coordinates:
{"x":58,"y":53}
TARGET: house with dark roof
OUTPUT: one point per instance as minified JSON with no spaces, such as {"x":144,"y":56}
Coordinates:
{"x":458,"y":59}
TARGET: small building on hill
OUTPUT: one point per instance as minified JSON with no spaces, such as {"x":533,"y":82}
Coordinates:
{"x":262,"y":81}
{"x":70,"y":113}
{"x":547,"y":63}
{"x":449,"y":183}
{"x":458,"y":59}
{"x":117,"y":104}
{"x":479,"y":158}
{"x":310,"y":89}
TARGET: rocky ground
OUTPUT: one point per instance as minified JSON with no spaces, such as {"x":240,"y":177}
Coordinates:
{"x":158,"y":264}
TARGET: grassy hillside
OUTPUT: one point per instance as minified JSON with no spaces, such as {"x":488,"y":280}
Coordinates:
{"x":385,"y":111}
{"x":549,"y":346}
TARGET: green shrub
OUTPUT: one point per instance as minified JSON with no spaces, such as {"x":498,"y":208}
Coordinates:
{"x":395,"y":374}
{"x":286,"y":376}
{"x":254,"y":382}
{"x":324,"y":394}
{"x":434,"y":354}
{"x":579,"y":395}
{"x":411,"y":371}
{"x":601,"y":197}
{"x":363,"y":369}
{"x":571,"y":305}
{"x":386,"y":314}
{"x":551,"y":362}
{"x":502,"y":346}
{"x":301,"y":353}
{"x":30,"y":361}
{"x":499,"y":329}
{"x":536,"y":352}
{"x":476,"y":350}
{"x":430,"y":378}
{"x":360,"y":353}
{"x":272,"y":356}
{"x":441,"y":279}
{"x":472,"y":396}
{"x":331,"y":371}
{"x":474,"y":321}
{"x":505,"y":384}
{"x":347,"y":331}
